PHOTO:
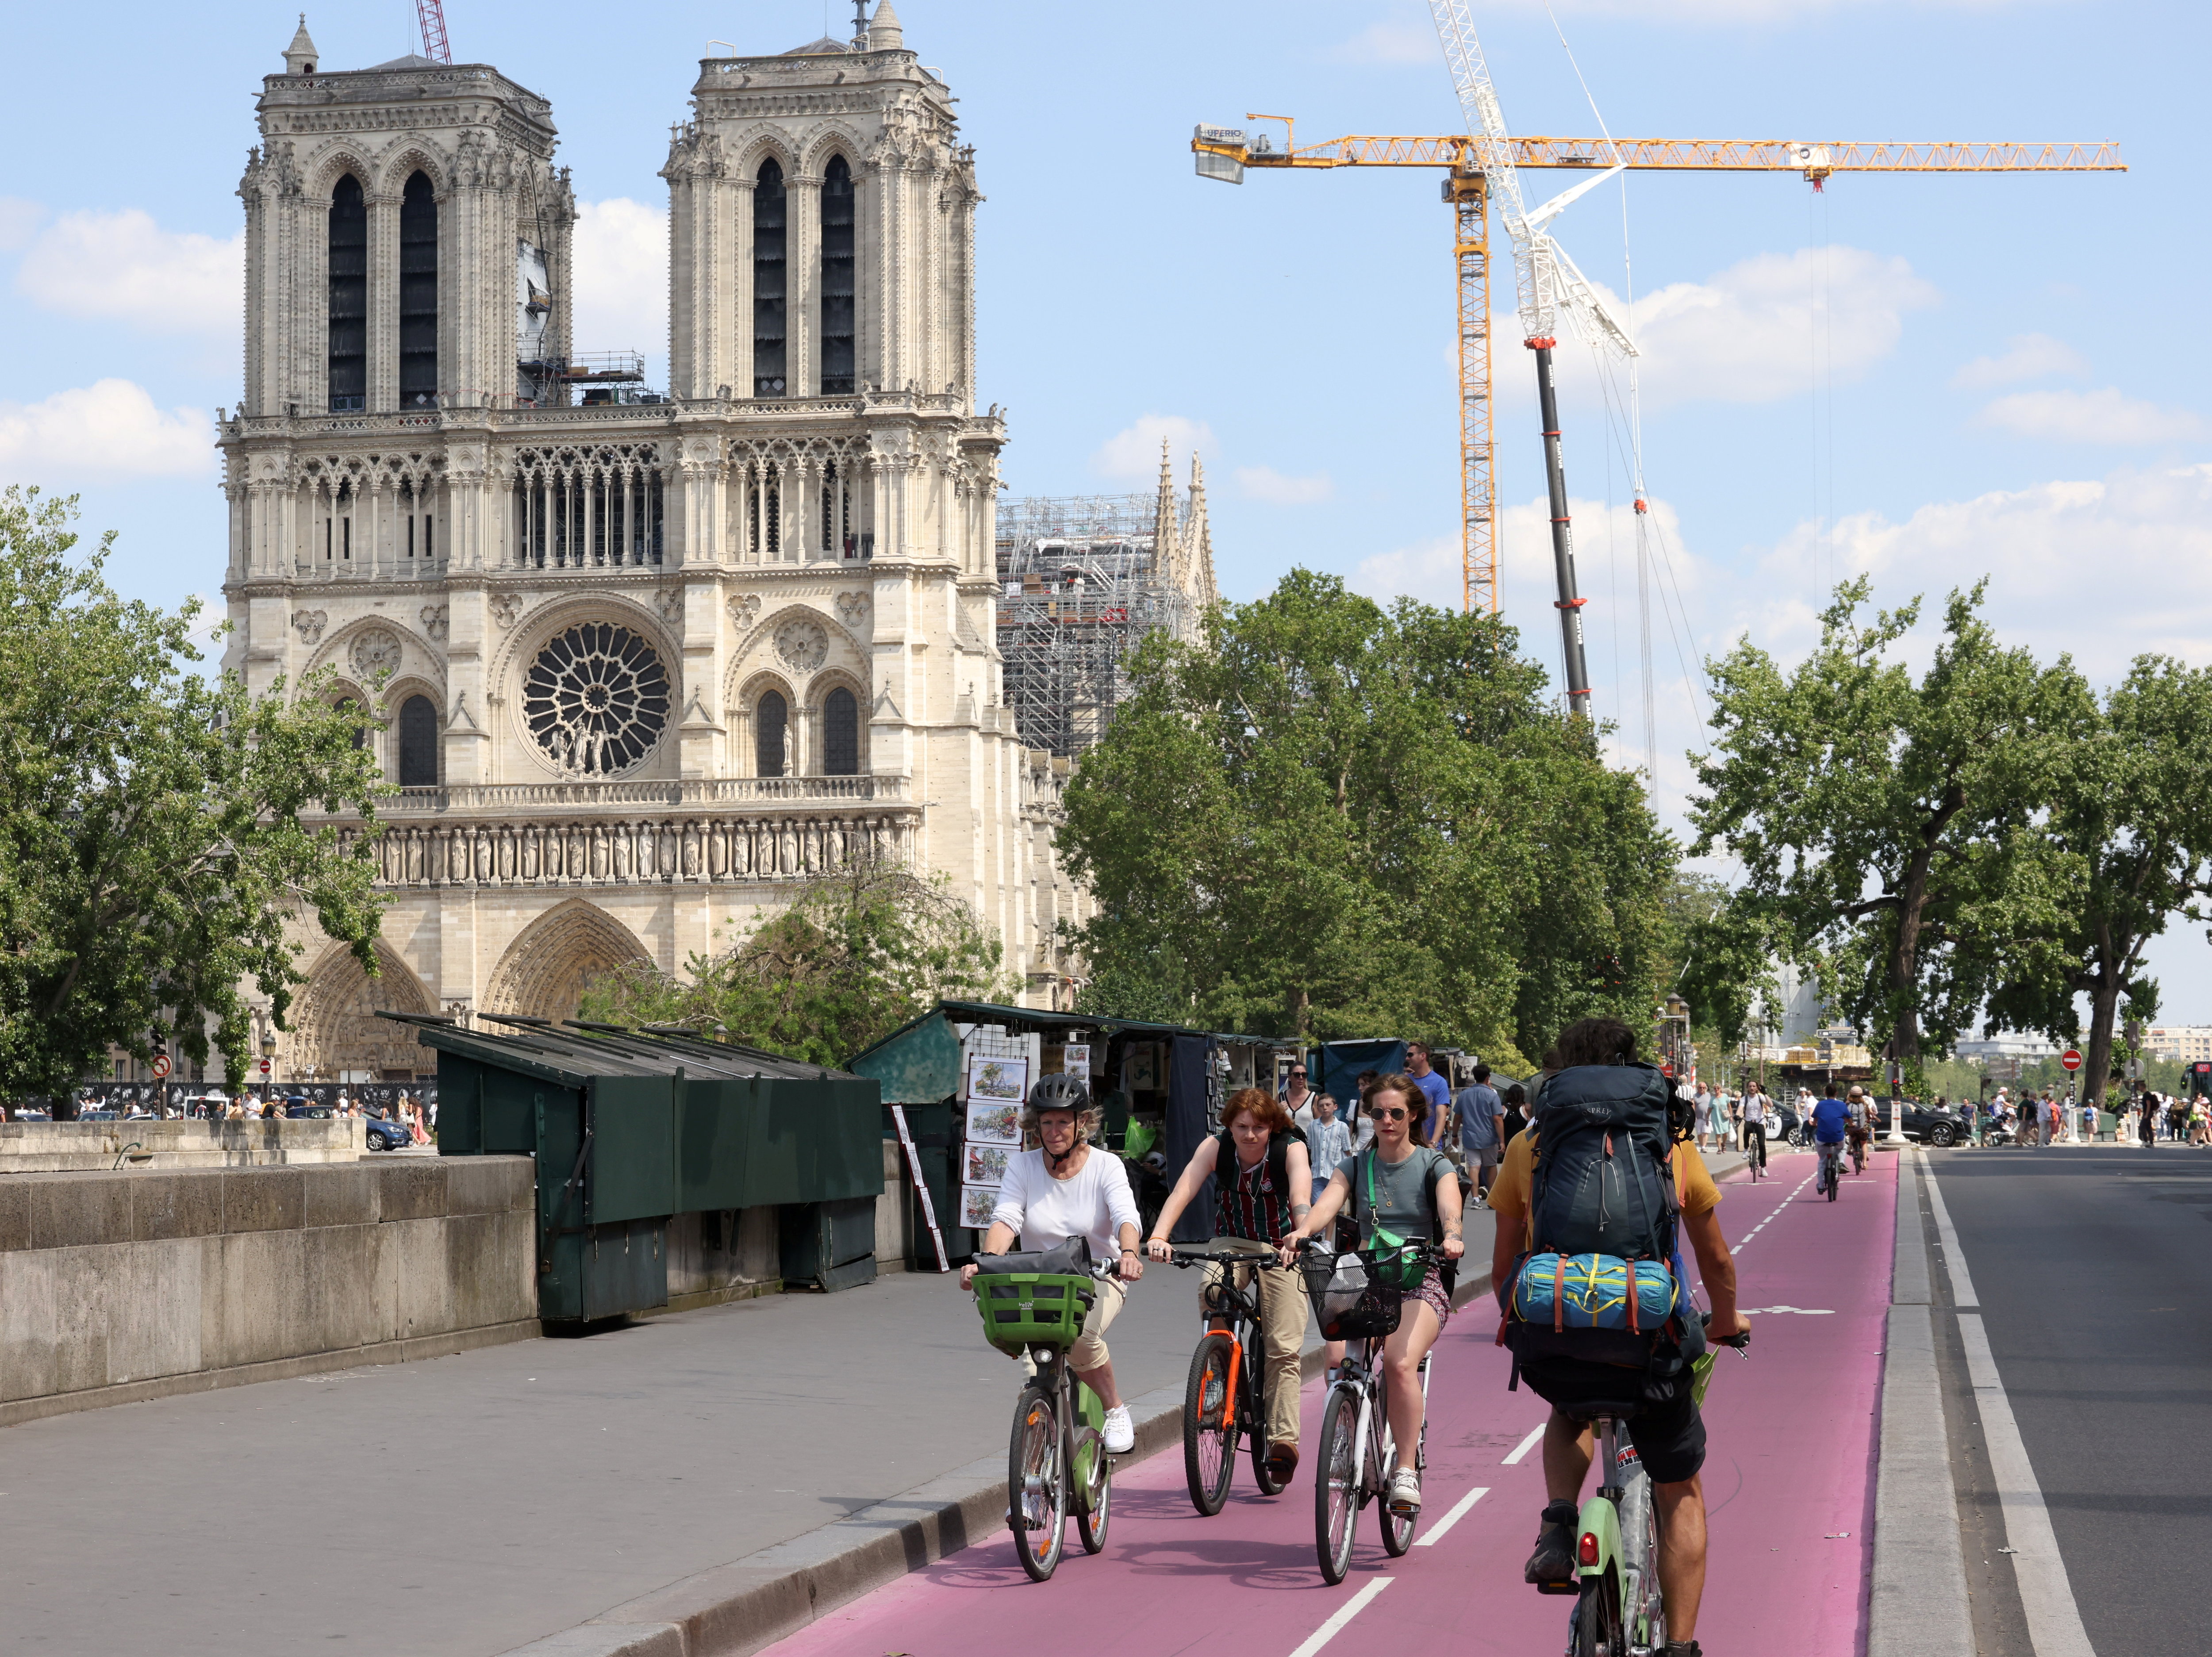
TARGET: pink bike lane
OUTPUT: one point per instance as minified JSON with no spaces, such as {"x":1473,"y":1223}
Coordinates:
{"x":1788,"y":1486}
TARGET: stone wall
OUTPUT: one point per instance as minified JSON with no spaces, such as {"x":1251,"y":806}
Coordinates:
{"x":116,"y":1287}
{"x":149,"y":1142}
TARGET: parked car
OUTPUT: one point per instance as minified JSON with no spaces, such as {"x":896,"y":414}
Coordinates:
{"x":386,"y":1136}
{"x":1926,"y":1124}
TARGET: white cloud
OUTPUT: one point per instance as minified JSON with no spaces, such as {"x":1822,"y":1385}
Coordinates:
{"x":1393,"y":40}
{"x":18,"y":219}
{"x":621,"y":280}
{"x":1132,"y":454}
{"x":1756,"y":11}
{"x":1428,"y":570}
{"x":107,"y":430}
{"x":1748,"y":334}
{"x":2028,"y":356}
{"x":2098,"y":416}
{"x":1279,"y":489}
{"x":124,"y":266}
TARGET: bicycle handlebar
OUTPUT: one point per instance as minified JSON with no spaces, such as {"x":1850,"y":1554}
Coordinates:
{"x":1184,"y":1256}
{"x":1742,"y":1342}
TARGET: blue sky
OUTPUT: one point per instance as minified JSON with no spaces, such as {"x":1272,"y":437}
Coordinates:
{"x":2016,"y":364}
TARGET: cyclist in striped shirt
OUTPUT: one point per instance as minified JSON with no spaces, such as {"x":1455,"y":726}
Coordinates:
{"x":1263,"y":1186}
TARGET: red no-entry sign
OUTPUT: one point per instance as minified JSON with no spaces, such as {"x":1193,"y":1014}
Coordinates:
{"x":2071,"y":1058}
{"x":160,"y":1066}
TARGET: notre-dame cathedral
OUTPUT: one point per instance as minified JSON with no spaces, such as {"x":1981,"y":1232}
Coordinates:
{"x":643,"y":660}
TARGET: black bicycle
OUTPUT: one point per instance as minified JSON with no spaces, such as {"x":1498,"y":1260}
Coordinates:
{"x":1225,"y":1396}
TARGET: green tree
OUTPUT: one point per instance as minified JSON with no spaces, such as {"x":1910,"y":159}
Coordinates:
{"x":1330,"y":819}
{"x":151,"y":846}
{"x":1886,"y":823}
{"x":856,"y":954}
{"x":2124,"y":812}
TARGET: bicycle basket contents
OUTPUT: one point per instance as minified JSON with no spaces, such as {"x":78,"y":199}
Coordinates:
{"x":1039,"y":1297}
{"x":1350,"y":1300}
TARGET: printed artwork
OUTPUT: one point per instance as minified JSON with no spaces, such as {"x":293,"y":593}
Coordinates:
{"x":997,"y":1079}
{"x":987,"y":1164}
{"x":1141,"y":1071}
{"x":993,"y":1124}
{"x":976,"y":1203}
{"x":1076,"y":1058}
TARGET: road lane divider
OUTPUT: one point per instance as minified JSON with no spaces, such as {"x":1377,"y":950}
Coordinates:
{"x":2046,"y":1592}
{"x":1775,"y":1215}
{"x":1336,"y":1625}
{"x":1536,"y":1437}
{"x":1435,"y":1534}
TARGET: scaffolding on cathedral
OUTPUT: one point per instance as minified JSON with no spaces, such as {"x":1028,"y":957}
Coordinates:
{"x":1083,"y":580}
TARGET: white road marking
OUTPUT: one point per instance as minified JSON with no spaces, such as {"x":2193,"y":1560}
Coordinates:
{"x":1335,"y":1626}
{"x":1777,"y":1215}
{"x":2046,"y":1595}
{"x":1802,"y":1311}
{"x":1536,"y":1435}
{"x":1430,"y":1538}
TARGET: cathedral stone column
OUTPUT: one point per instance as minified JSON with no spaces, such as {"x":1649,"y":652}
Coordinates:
{"x":383,"y":303}
{"x":803,"y":283}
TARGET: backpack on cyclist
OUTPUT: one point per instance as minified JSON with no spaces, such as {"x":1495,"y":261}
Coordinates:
{"x":1598,"y":1312}
{"x":1226,"y":1167}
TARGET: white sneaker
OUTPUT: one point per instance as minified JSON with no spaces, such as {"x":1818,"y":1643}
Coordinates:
{"x":1405,"y":1493}
{"x":1120,"y":1432}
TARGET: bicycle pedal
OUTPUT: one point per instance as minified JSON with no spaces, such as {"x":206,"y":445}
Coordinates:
{"x":1558,"y":1588}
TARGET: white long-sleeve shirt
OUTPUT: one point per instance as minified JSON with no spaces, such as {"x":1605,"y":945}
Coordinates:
{"x":1044,"y":1211}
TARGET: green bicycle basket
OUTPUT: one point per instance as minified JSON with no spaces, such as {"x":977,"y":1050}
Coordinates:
{"x":1033,"y":1309}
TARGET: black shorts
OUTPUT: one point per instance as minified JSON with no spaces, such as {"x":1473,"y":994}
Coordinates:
{"x":1670,"y":1437}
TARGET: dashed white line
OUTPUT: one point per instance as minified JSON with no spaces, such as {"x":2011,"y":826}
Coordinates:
{"x":1777,"y":1215}
{"x":1536,"y":1433}
{"x":1335,"y":1626}
{"x":1430,"y":1538}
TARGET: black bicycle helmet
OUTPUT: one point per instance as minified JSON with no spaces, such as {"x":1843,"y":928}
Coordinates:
{"x":1061,"y":1091}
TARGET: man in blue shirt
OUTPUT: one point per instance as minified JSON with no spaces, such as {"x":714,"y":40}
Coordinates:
{"x":1433,"y":1087}
{"x":1831,"y":1121}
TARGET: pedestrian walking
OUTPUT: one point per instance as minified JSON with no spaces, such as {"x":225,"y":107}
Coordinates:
{"x":1481,"y":1115}
{"x":1299,"y":1099}
{"x":2147,"y":1120}
{"x":1434,"y":1089}
{"x":1516,"y":1112}
{"x":1328,"y":1142}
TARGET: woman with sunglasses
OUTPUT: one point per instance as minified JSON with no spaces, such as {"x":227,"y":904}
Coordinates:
{"x":1400,"y":1185}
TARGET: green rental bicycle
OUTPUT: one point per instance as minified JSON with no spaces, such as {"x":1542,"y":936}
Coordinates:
{"x":1057,"y":1462}
{"x":1619,"y":1610}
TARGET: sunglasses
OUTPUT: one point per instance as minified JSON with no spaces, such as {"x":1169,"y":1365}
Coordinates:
{"x":1389,"y":1113}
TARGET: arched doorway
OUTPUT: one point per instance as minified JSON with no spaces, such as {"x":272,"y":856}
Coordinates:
{"x":546,"y":971}
{"x":335,"y":1030}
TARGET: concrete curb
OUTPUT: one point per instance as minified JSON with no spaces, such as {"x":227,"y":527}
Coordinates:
{"x":1918,"y":1606}
{"x":738,"y":1609}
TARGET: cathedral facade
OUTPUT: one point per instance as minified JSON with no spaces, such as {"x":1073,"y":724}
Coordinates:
{"x":643,"y":661}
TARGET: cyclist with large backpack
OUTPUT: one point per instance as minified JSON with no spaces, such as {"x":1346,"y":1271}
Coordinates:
{"x":1401,"y":1191}
{"x":1592,"y":1204}
{"x":1264,"y":1186}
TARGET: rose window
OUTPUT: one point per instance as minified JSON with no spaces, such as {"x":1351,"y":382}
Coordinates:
{"x":596,"y":699}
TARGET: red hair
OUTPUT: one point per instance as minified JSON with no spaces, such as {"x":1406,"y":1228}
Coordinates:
{"x":1262,"y":1104}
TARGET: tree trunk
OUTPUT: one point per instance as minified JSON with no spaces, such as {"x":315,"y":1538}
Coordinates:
{"x":2097,"y":1064}
{"x":1300,"y":1013}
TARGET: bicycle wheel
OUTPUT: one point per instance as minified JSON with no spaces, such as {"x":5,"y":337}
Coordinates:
{"x":1336,"y":1483}
{"x":1835,"y":1177}
{"x":1397,"y":1531}
{"x":1597,"y":1620}
{"x":1098,"y":1510}
{"x":1036,"y":1485}
{"x":1209,"y":1447}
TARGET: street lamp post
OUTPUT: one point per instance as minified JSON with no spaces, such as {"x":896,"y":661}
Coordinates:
{"x":269,"y":1063}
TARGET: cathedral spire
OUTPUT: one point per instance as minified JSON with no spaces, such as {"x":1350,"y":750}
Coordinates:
{"x":1197,"y":540}
{"x":1165,"y":549}
{"x":301,"y":57}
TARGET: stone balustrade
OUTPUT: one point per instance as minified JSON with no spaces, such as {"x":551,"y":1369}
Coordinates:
{"x":525,"y":797}
{"x":780,"y":845}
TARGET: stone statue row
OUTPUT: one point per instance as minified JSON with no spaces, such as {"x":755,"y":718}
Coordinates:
{"x":620,"y":853}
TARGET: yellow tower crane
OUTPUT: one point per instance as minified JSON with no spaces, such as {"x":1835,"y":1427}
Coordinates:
{"x":1223,"y":153}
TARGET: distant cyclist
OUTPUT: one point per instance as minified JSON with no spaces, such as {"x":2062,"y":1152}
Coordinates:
{"x":1832,"y":1123}
{"x":1754,"y":1125}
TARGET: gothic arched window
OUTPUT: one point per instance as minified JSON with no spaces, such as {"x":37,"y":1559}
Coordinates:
{"x":353,"y":710}
{"x":838,"y":297}
{"x":418,"y":294}
{"x":348,"y":318}
{"x":767,"y":280}
{"x":840,"y":734}
{"x":768,"y":722}
{"x":418,"y":744}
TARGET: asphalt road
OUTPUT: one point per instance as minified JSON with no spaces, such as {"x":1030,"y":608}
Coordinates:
{"x":2094,"y":1273}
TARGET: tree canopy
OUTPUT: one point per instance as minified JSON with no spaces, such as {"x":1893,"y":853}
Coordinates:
{"x":1330,"y":819}
{"x":151,"y":844}
{"x":855,"y":956}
